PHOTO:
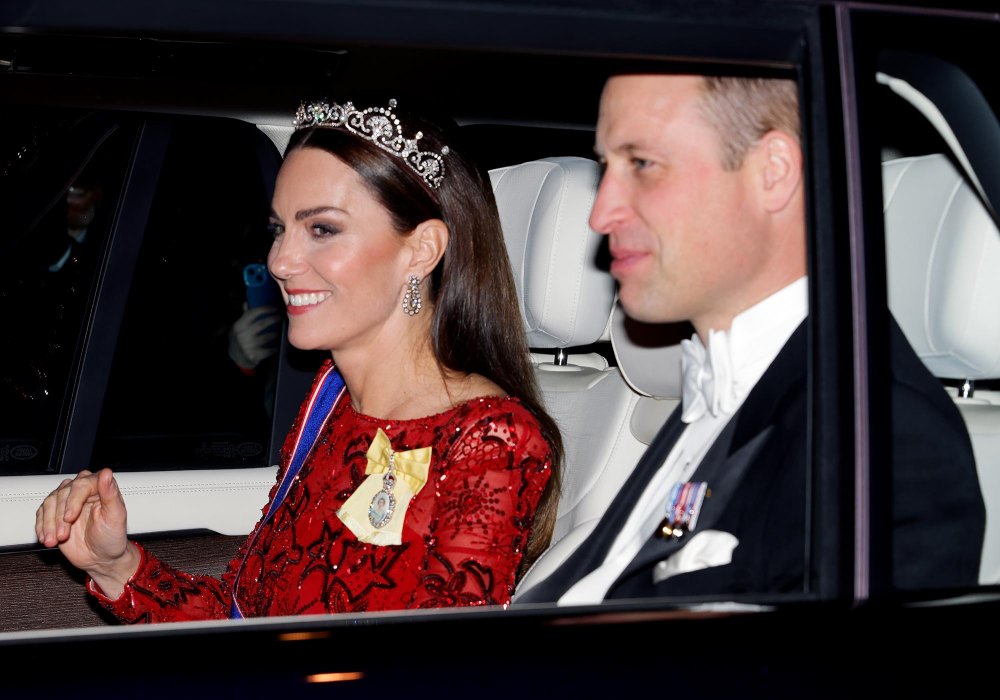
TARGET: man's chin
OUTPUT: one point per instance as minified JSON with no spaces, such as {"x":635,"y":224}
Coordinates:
{"x":641,"y":308}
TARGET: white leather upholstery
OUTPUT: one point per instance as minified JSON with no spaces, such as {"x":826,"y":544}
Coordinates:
{"x":649,"y":354}
{"x":649,"y":357}
{"x":567,"y":301}
{"x":944,"y":271}
{"x":544,"y":206}
{"x":226,"y":501}
{"x":943,"y":256}
{"x":278,"y":133}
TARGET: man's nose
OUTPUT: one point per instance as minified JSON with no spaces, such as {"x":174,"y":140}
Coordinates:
{"x":609,"y":204}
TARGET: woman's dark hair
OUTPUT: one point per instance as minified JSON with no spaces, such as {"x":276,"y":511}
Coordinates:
{"x":476,"y":326}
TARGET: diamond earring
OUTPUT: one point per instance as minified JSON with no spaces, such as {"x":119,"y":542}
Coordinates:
{"x":411,"y":300}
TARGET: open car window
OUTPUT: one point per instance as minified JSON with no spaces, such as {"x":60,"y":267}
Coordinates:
{"x":114,"y":344}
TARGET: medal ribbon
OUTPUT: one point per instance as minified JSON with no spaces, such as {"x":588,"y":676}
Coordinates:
{"x":683,"y":508}
{"x":321,"y":404}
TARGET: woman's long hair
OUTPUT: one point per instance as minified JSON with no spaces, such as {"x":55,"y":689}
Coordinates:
{"x":476,"y":327}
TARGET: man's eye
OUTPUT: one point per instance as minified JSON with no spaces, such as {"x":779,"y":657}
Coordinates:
{"x":640,"y":163}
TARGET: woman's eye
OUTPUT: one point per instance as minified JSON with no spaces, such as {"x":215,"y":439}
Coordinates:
{"x":324,"y":230}
{"x":640,"y":163}
{"x":275,"y":229}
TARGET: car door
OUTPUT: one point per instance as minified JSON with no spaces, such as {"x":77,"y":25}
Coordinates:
{"x":927,"y":140}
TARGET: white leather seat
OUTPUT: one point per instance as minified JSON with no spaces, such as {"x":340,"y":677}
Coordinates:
{"x":943,"y":259}
{"x":566,"y":302}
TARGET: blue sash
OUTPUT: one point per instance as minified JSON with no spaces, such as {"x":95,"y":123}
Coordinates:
{"x":321,"y":403}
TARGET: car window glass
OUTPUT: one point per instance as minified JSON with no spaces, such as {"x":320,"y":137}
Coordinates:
{"x":60,"y":173}
{"x":943,"y":250}
{"x":175,"y":399}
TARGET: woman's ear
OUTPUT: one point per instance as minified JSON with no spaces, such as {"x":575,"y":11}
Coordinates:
{"x":778,"y":162}
{"x":429,"y":241}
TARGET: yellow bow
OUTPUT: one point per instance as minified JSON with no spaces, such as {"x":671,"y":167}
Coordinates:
{"x":377,"y":508}
{"x":410,"y":466}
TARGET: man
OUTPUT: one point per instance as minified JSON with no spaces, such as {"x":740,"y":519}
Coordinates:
{"x":702,"y":199}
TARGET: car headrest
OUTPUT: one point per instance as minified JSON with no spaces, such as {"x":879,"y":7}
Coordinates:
{"x":649,"y":354}
{"x":942,"y":250}
{"x":544,"y":205}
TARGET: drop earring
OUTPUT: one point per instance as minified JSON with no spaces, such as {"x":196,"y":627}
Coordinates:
{"x":411,"y":300}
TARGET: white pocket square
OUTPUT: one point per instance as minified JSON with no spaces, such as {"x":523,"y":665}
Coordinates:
{"x":706,"y":548}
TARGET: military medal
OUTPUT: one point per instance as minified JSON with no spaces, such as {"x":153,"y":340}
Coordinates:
{"x":683,"y":508}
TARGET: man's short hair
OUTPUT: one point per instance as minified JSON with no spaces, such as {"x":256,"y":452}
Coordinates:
{"x":741,"y":110}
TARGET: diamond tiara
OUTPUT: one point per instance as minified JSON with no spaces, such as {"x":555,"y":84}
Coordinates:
{"x":380,"y":126}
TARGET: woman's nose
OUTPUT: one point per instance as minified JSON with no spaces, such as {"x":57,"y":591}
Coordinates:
{"x":284,"y":260}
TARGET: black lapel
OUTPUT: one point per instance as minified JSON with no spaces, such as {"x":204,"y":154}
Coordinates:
{"x":745,"y":429}
{"x":594,"y":549}
{"x":727,"y":461}
{"x":723,"y":473}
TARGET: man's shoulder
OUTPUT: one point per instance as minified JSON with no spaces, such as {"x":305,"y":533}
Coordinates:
{"x":915,"y":389}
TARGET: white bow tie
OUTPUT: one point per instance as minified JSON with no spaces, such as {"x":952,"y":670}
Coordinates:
{"x":708,"y":377}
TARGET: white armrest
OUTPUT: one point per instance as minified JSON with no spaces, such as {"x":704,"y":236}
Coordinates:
{"x":226,"y":501}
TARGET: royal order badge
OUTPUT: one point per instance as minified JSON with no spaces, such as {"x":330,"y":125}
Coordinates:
{"x":375,"y":512}
{"x":384,"y":503}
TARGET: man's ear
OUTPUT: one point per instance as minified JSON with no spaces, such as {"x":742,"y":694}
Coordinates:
{"x":428,"y":243}
{"x":778,"y":163}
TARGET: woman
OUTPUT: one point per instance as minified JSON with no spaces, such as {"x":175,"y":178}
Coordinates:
{"x":422,"y":470}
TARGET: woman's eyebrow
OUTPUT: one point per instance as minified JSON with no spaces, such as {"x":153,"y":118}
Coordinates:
{"x":306,"y":213}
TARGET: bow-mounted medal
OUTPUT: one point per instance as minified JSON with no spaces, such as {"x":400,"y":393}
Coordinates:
{"x":683,"y":507}
{"x":383,"y":503}
{"x":376,"y":510}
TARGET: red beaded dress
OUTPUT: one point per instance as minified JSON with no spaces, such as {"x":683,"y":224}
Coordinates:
{"x":463,"y":534}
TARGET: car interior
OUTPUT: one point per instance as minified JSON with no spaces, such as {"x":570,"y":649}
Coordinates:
{"x":196,"y":489}
{"x":943,"y":244}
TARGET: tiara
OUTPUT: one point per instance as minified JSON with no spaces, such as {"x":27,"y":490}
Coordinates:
{"x":380,"y":126}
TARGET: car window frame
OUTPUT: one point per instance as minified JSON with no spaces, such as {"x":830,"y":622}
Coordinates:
{"x":803,"y":45}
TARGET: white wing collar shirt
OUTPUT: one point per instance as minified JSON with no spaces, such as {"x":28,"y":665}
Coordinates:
{"x":717,"y":379}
